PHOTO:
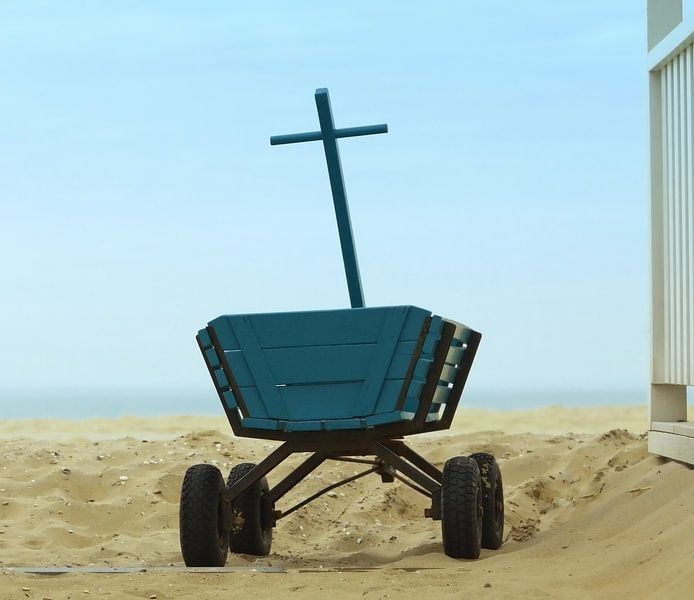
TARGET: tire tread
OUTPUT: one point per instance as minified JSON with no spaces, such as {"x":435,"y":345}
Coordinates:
{"x":460,"y":497}
{"x":201,"y":544}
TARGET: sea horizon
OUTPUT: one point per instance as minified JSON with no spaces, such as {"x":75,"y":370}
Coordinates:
{"x":84,"y":403}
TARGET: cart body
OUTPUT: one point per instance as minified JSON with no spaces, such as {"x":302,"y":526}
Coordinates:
{"x":352,"y":369}
{"x":340,"y":385}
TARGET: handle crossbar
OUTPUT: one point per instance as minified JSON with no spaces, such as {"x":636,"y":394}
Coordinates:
{"x":314,"y":136}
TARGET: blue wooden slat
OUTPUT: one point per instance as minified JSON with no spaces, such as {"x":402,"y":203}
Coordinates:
{"x":229,"y":399}
{"x":319,"y":328}
{"x":388,"y":417}
{"x":204,"y":337}
{"x":436,"y":324}
{"x":422,"y":367}
{"x":327,"y":425}
{"x":430,"y":344}
{"x":253,"y":354}
{"x":324,"y":425}
{"x":212,"y":358}
{"x":302,"y":425}
{"x":319,"y":364}
{"x":337,"y":424}
{"x":388,"y":339}
{"x":220,"y":379}
{"x":260,"y":423}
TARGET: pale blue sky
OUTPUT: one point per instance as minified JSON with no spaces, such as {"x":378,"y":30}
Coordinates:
{"x":140,"y":197}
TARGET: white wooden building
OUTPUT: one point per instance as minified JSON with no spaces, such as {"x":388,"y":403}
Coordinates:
{"x":671,"y":81}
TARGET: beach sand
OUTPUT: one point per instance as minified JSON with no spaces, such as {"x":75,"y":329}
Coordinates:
{"x":589,"y":513}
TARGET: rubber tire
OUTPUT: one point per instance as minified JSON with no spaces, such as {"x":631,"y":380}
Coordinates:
{"x":250,"y":532}
{"x":461,"y":508}
{"x":204,"y":536}
{"x":492,"y":500}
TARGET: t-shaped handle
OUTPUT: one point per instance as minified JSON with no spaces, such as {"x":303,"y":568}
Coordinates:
{"x":329,"y":135}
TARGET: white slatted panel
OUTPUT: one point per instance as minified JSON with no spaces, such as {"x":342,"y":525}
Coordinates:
{"x":677,"y":77}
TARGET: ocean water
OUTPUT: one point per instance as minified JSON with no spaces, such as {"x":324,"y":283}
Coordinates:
{"x":106,"y":403}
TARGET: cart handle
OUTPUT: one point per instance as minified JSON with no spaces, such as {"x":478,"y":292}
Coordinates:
{"x":330,"y":135}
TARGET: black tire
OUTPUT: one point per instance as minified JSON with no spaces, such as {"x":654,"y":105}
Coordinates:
{"x":492,"y":500}
{"x":203,"y":530}
{"x":251,"y":524}
{"x":461,"y":508}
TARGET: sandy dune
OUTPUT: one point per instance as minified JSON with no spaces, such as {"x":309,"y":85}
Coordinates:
{"x":589,"y":513}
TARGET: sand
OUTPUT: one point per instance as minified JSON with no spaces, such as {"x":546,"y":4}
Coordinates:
{"x":589,"y":514}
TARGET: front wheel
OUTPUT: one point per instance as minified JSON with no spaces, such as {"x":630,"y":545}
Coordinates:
{"x":204,"y":532}
{"x":492,"y":500}
{"x":461,"y":508}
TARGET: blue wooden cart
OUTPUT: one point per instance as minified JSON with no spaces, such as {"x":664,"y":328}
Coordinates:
{"x":343,"y":385}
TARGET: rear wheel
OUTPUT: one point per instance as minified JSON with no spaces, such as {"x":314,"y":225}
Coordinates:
{"x":461,"y":508}
{"x":251,"y":516}
{"x":204,"y":532}
{"x":492,"y":500}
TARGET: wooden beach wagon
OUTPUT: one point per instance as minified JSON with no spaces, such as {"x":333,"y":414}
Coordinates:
{"x":341,"y":385}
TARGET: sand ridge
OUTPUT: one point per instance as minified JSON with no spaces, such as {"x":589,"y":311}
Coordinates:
{"x":588,"y":513}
